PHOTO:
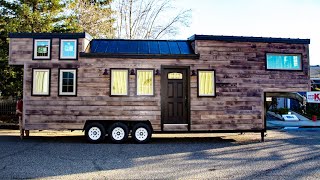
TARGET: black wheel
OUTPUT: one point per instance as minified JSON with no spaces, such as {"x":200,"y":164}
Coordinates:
{"x":141,"y":133}
{"x":95,"y":132}
{"x":118,"y":132}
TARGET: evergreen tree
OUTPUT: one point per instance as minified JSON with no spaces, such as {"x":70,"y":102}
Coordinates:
{"x":93,"y":16}
{"x":24,"y":16}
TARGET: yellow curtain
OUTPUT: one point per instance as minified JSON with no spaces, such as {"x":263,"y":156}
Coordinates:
{"x":119,"y":82}
{"x":145,"y":82}
{"x":175,"y":76}
{"x":41,"y":82}
{"x":206,"y":84}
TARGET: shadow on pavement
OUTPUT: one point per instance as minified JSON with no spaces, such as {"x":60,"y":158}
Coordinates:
{"x":53,"y":157}
{"x":38,"y":156}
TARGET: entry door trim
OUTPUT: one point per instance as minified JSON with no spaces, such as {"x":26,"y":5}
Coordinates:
{"x":163,"y":85}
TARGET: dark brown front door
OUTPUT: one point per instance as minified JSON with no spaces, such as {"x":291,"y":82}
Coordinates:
{"x":174,"y":95}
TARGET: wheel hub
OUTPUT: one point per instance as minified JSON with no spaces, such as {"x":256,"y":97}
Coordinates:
{"x":94,"y":133}
{"x":118,"y":133}
{"x":141,"y":134}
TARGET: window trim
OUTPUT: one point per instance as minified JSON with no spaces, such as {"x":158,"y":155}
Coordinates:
{"x":34,"y":57}
{"x":153,"y":82}
{"x":49,"y":83}
{"x":128,"y":80}
{"x":75,"y":82}
{"x":278,"y":53}
{"x":60,"y":49}
{"x":198,"y":83}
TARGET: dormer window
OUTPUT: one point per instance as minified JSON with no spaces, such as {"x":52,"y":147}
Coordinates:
{"x":42,"y":49}
{"x":68,"y":49}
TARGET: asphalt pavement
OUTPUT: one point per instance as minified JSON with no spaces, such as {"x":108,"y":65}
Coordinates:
{"x":293,"y":154}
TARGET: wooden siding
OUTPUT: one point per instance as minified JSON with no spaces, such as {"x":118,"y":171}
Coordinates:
{"x":241,"y":80}
{"x":21,"y":51}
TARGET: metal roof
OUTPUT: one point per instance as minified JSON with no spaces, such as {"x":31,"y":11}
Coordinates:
{"x":249,"y":39}
{"x":192,"y":38}
{"x":141,"y":47}
{"x":315,"y":72}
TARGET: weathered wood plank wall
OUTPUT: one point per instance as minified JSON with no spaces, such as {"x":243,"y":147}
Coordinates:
{"x":241,"y":81}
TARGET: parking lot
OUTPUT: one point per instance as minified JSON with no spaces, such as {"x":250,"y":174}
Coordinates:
{"x":293,"y":154}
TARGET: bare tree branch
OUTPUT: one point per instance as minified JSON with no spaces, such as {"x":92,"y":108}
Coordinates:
{"x":148,"y":19}
{"x":170,"y":24}
{"x":94,"y":17}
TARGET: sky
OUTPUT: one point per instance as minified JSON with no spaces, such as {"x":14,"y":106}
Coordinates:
{"x":261,"y":18}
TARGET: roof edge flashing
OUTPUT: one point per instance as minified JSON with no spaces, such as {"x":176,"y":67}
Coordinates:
{"x":249,"y":39}
{"x":140,"y":56}
{"x":50,"y":35}
{"x":165,"y":40}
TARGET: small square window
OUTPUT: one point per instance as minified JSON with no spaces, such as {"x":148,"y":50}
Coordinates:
{"x":145,"y":82}
{"x":68,"y":49}
{"x":119,"y":82}
{"x":67,"y":82}
{"x":206,"y":83}
{"x":42,"y":49}
{"x":41,"y":82}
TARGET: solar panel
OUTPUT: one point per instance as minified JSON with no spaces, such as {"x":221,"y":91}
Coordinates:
{"x":164,"y":48}
{"x":154,"y":47}
{"x":122,"y":47}
{"x":101,"y":46}
{"x":132,"y":47}
{"x":174,"y":48}
{"x":143,"y":47}
{"x":185,"y":48}
{"x":94,"y":45}
{"x":113,"y":47}
{"x":140,"y":47}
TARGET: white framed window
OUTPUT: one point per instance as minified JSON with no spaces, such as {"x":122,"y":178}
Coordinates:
{"x":206,"y":83}
{"x":119,"y":85}
{"x":68,"y":48}
{"x":67,"y":82}
{"x":42,"y":49}
{"x":41,"y":82}
{"x":145,"y":82}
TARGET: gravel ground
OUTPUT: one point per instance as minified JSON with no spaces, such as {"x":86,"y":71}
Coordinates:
{"x":293,"y":154}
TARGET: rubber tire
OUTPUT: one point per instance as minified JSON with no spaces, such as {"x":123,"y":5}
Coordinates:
{"x":125,"y":129}
{"x":102,"y":129}
{"x":141,"y":125}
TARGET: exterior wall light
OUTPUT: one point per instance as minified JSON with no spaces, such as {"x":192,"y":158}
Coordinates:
{"x":193,"y":73}
{"x":157,"y":72}
{"x":132,"y":72}
{"x":105,"y":72}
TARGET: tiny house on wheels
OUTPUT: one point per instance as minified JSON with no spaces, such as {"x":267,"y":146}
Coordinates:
{"x":118,"y":87}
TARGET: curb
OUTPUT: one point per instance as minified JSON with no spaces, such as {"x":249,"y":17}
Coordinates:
{"x":301,"y":127}
{"x":291,"y":127}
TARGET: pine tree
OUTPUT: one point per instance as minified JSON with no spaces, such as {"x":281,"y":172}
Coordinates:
{"x":93,"y":16}
{"x":24,"y":16}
